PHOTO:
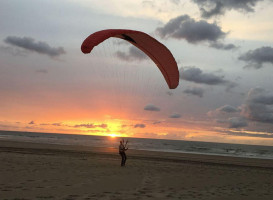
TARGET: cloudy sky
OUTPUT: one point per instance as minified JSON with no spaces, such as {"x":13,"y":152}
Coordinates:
{"x":224,"y":51}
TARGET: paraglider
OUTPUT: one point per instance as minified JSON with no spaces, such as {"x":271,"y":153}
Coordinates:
{"x":159,"y":53}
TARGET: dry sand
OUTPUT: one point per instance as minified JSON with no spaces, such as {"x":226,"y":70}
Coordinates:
{"x":42,"y":171}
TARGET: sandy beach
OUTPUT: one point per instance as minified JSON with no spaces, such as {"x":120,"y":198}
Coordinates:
{"x":43,"y":171}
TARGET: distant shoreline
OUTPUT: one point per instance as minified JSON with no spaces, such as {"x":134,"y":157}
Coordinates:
{"x":54,"y":133}
{"x":44,"y":149}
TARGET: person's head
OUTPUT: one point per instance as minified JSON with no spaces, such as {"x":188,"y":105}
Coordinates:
{"x":120,"y":141}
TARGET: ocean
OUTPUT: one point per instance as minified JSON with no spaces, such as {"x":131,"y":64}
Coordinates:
{"x":179,"y":146}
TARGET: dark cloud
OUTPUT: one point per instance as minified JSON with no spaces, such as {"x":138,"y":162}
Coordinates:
{"x":237,"y":122}
{"x":31,"y":122}
{"x":151,"y":107}
{"x":264,"y":99}
{"x":139,"y":126}
{"x":256,"y":58}
{"x":44,"y":124}
{"x":156,"y":122}
{"x":258,"y":106}
{"x":133,"y":54}
{"x":222,"y":46}
{"x":259,"y":135}
{"x":38,"y":47}
{"x":197,"y":91}
{"x":222,"y":111}
{"x":184,"y":27}
{"x":210,"y":8}
{"x":52,"y":124}
{"x":84,"y":125}
{"x":90,"y":125}
{"x":57,"y":124}
{"x":196,"y":75}
{"x":175,"y":115}
{"x":102,"y":125}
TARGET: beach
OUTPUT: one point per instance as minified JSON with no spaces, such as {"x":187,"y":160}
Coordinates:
{"x":51,"y":171}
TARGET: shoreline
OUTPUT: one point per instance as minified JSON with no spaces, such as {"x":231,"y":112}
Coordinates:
{"x":44,"y":148}
{"x":156,"y":145}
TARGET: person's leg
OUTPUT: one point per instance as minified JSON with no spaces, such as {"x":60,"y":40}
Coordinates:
{"x":121,"y":159}
{"x":125,"y":158}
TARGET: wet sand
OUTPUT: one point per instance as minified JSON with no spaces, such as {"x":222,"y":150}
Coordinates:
{"x":43,"y":171}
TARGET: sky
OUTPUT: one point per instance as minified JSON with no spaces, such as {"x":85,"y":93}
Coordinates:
{"x":224,"y":52}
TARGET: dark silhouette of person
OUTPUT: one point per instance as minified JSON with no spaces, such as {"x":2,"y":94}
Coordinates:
{"x":122,"y":149}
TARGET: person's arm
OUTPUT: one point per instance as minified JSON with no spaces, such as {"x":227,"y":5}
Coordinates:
{"x":126,"y":145}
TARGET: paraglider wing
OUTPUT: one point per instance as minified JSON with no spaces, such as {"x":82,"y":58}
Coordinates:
{"x":161,"y":56}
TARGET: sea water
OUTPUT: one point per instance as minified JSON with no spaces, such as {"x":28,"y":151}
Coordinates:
{"x":179,"y":146}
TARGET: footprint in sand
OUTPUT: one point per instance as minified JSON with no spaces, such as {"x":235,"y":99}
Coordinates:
{"x":149,"y":185}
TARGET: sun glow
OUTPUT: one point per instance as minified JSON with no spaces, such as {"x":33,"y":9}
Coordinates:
{"x":113,"y":135}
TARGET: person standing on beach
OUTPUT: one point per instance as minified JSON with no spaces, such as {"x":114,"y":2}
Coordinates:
{"x":122,"y":149}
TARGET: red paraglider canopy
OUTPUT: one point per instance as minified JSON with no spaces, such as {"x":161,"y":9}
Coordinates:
{"x":161,"y":56}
